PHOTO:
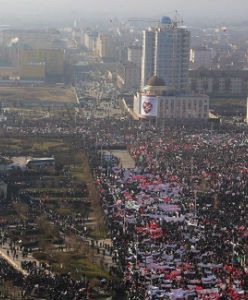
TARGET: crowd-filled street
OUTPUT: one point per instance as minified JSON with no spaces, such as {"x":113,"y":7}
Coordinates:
{"x":177,"y":220}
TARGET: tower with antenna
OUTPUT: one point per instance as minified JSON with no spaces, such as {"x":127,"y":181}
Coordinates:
{"x":165,"y":53}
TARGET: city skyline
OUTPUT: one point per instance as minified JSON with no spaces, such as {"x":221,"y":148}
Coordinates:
{"x":221,"y":10}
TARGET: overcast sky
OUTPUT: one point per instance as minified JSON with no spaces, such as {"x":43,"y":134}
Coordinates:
{"x":209,"y":9}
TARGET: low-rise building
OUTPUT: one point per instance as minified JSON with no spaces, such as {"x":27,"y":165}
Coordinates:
{"x":34,"y":71}
{"x":157,"y":101}
{"x":219,"y":83}
{"x":53,"y":59}
{"x":201,"y":57}
{"x":44,"y":162}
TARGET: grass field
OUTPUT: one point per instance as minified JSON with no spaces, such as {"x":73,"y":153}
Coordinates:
{"x":37,"y":94}
{"x":51,"y":187}
{"x":31,"y":144}
{"x":75,"y":263}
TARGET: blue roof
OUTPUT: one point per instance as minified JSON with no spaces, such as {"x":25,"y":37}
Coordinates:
{"x":165,"y":20}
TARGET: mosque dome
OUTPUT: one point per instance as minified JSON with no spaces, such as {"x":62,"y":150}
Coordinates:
{"x":155,"y":81}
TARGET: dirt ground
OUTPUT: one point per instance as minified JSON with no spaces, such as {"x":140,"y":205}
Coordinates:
{"x":37,"y":93}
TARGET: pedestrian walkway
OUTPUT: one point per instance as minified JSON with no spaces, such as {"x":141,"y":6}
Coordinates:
{"x":15,"y":262}
{"x":103,"y":246}
{"x":125,"y":158}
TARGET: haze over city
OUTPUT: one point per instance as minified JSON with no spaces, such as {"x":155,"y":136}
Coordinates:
{"x":124,"y":150}
{"x":56,"y":11}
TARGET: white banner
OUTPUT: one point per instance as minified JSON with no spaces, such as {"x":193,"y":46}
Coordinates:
{"x":149,"y":106}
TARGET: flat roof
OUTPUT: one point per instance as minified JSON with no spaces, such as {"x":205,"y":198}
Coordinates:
{"x":40,"y":159}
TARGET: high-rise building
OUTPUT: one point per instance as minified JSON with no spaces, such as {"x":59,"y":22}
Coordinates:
{"x":90,"y":39}
{"x":128,"y":76}
{"x":147,"y":65}
{"x":106,"y":47}
{"x":166,"y":50}
{"x":134,"y":55}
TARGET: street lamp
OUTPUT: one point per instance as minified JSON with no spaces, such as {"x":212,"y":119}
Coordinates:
{"x":195,"y":201}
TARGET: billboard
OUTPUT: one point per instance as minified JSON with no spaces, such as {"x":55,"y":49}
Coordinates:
{"x":149,"y":106}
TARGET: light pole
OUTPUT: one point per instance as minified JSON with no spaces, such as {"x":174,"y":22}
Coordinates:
{"x":233,"y":245}
{"x":195,"y":200}
{"x":101,"y":155}
{"x":96,"y":142}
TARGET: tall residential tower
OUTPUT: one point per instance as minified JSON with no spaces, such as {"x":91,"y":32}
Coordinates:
{"x":166,"y":50}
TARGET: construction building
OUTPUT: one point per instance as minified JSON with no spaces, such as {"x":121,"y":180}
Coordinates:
{"x":166,"y":50}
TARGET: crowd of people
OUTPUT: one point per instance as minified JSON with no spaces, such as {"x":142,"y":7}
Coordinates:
{"x":41,"y":283}
{"x":178,"y":220}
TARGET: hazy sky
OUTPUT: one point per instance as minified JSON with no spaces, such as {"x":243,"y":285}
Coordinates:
{"x":224,"y":9}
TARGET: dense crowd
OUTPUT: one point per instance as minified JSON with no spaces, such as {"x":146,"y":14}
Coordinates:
{"x":179,"y":219}
{"x":41,"y":283}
